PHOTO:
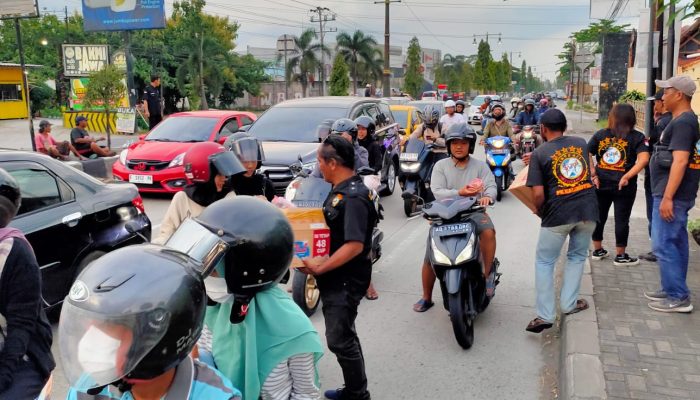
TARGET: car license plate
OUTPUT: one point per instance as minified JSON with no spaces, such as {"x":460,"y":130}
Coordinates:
{"x":143,"y":179}
{"x":408,"y":157}
{"x":452,"y":229}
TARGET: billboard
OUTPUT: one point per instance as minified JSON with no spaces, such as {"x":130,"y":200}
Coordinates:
{"x":123,"y":15}
{"x":84,"y":59}
{"x":18,"y":9}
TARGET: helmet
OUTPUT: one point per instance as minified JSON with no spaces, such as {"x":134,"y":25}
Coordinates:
{"x":233,"y":137}
{"x":431,"y":115}
{"x":260,"y":246}
{"x":461,"y":103}
{"x":10,"y":189}
{"x":134,"y":313}
{"x":530,"y":102}
{"x":498,"y":105}
{"x":366,"y":122}
{"x":487,"y":98}
{"x":247,"y":148}
{"x":450,"y":103}
{"x":515,"y":100}
{"x":345,"y":125}
{"x":460,"y":131}
{"x":206,"y":157}
{"x":544,"y":102}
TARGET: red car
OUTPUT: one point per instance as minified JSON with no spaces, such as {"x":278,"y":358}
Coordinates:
{"x":154,"y":162}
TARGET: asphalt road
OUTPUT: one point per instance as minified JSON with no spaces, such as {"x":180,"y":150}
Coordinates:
{"x":411,"y":355}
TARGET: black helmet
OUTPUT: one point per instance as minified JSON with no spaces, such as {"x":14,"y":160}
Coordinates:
{"x":260,"y":246}
{"x":431,"y":114}
{"x":10,"y":189}
{"x":345,"y":125}
{"x":248,"y":148}
{"x":134,"y":313}
{"x":460,"y":131}
{"x":368,"y":123}
{"x":461,"y":103}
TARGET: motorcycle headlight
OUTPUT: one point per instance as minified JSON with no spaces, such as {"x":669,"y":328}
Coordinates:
{"x":309,"y":166}
{"x":440,"y":257}
{"x":177,"y":161}
{"x":410,"y":167}
{"x":498,"y":144}
{"x":490,"y":160}
{"x":467,"y":253}
{"x":122,"y":156}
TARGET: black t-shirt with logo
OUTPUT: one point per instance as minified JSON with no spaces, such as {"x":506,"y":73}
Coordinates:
{"x":615,"y":156}
{"x":152,"y":96}
{"x":681,"y":134}
{"x":561,"y":166}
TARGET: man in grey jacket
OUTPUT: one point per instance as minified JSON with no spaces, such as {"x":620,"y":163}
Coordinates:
{"x":461,"y":175}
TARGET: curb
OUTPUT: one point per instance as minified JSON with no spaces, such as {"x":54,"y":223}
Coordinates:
{"x":100,"y":168}
{"x":580,"y":369}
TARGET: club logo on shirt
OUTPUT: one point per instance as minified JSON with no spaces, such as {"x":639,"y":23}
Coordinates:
{"x":695,"y":160}
{"x":571,"y":170}
{"x":612,"y":154}
{"x":336,"y":200}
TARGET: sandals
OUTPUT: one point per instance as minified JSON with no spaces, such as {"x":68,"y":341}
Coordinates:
{"x":371,"y":294}
{"x":423,"y":305}
{"x":581,"y":305}
{"x":491,"y":284}
{"x":537,"y":325}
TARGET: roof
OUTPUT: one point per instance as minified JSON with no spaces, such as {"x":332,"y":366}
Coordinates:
{"x":688,"y":35}
{"x":9,"y":64}
{"x":328,"y":101}
{"x":211,"y":113}
{"x":402,"y":107}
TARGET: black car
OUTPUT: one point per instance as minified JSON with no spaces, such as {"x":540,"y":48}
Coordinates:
{"x":293,"y":129}
{"x":70,"y":218}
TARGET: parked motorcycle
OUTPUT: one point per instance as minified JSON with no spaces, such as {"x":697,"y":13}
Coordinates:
{"x":455,"y":257}
{"x":416,"y":166}
{"x":309,"y":192}
{"x":499,"y":156}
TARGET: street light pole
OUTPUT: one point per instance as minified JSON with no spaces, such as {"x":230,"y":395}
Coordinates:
{"x":25,"y":82}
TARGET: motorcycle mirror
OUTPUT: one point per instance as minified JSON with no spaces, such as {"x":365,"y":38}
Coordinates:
{"x":480,"y":132}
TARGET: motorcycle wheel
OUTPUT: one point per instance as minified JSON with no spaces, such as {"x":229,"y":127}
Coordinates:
{"x":305,"y":293}
{"x":390,"y":181}
{"x":462,"y":323}
{"x":408,"y":206}
{"x":499,"y":187}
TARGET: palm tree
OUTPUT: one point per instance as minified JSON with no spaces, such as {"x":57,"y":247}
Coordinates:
{"x":305,"y":60}
{"x":356,"y":49}
{"x":371,"y":70}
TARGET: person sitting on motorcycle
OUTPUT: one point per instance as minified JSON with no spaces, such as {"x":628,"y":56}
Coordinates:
{"x":460,"y":106}
{"x":366,"y":139}
{"x":515,"y":107}
{"x":249,"y":152}
{"x":550,"y":102}
{"x":462,"y":175}
{"x":450,"y":117}
{"x":529,"y":116}
{"x":128,"y":327}
{"x":208,"y":166}
{"x":485,"y":110}
{"x":544,"y":106}
{"x":499,"y":125}
{"x":347,"y":128}
{"x":430,"y":130}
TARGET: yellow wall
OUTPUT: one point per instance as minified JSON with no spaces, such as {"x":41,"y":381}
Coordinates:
{"x":639,"y":86}
{"x":693,"y":71}
{"x":12,"y":109}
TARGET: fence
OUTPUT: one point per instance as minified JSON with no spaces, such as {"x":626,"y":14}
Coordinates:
{"x":640,"y":111}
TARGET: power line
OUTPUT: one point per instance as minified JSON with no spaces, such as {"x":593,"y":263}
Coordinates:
{"x":428,"y":30}
{"x":324,"y":15}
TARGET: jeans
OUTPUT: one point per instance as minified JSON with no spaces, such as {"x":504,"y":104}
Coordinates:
{"x":670,"y":244}
{"x":27,"y":382}
{"x":623,"y":201}
{"x":549,"y":247}
{"x":648,"y":196}
{"x":339,"y":311}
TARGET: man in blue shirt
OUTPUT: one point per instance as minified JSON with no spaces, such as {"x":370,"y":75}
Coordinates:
{"x":528,"y":116}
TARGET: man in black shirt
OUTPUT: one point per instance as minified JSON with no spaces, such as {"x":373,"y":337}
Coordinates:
{"x":565,"y":197}
{"x":343,"y":278}
{"x":151,"y":102}
{"x":675,"y":175}
{"x":85,"y":144}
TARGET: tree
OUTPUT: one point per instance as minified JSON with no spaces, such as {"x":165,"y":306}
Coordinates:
{"x":484,"y":70}
{"x":467,"y":82}
{"x":371,"y":70}
{"x":304,"y":59}
{"x":340,"y":80}
{"x":690,"y":10}
{"x":106,"y":88}
{"x":413,"y":80}
{"x":249,"y":74}
{"x":358,"y":48}
{"x":504,"y":74}
{"x":530,"y":81}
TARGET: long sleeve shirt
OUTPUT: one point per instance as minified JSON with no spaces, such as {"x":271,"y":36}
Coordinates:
{"x":447,"y":179}
{"x":502,"y":129}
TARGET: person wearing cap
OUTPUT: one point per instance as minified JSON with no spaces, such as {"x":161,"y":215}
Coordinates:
{"x":675,"y":175}
{"x":45,"y":143}
{"x":86,"y":144}
{"x":451,"y":117}
{"x":565,"y":198}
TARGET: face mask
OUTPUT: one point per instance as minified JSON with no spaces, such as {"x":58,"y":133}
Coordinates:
{"x":498,"y":117}
{"x":217,"y":289}
{"x":97,"y":351}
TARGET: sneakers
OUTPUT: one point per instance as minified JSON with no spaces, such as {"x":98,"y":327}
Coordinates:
{"x":657,"y":295}
{"x":624,"y":259}
{"x":672,"y":305}
{"x":650,"y":256}
{"x":599,"y":254}
{"x":333,"y":394}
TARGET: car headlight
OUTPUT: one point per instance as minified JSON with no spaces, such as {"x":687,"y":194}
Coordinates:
{"x":410,"y":167}
{"x":440,"y":257}
{"x":490,"y":160}
{"x":122,"y":156}
{"x":498,"y":144}
{"x":177,"y":161}
{"x":467,"y":253}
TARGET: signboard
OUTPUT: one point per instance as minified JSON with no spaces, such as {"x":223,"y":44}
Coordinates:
{"x":18,"y":9}
{"x":286,"y":43}
{"x":119,"y":60}
{"x":84,"y":59}
{"x":78,"y":88}
{"x":123,"y":15}
{"x":126,"y":120}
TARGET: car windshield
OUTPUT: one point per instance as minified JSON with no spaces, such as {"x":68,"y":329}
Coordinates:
{"x":401,"y":117}
{"x":294,"y":124}
{"x":183,"y":129}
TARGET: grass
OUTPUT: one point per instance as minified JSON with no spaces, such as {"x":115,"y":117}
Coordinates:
{"x":602,"y":123}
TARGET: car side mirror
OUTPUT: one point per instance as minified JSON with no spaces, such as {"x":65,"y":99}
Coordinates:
{"x":222,"y":140}
{"x":243,"y":128}
{"x":142,"y":137}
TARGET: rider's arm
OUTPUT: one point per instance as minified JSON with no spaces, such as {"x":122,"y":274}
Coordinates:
{"x":178,"y":211}
{"x":438,"y":182}
{"x":418,"y":132}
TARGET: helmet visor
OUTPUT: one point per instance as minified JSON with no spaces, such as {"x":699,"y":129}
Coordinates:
{"x":226,"y":163}
{"x":97,"y":349}
{"x":199,"y":243}
{"x":248,"y":150}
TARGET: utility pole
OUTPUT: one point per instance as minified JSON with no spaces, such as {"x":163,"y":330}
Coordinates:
{"x":386,"y":81}
{"x":25,"y":81}
{"x":671,"y":42}
{"x":573,"y":67}
{"x":324,"y":15}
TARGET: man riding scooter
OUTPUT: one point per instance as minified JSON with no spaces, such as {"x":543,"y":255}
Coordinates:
{"x":461,"y":175}
{"x":529,"y":116}
{"x":431,"y":129}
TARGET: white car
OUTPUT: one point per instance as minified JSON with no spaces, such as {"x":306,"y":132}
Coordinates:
{"x":474,"y":116}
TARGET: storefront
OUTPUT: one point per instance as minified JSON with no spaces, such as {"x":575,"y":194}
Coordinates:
{"x":13,"y":103}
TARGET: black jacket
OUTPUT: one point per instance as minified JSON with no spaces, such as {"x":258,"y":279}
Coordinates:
{"x":374,"y":152}
{"x":29,"y":332}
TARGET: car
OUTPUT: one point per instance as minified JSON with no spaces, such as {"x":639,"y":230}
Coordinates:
{"x":420,"y":105}
{"x":291,"y":131}
{"x":154,"y":162}
{"x":71,"y":218}
{"x":431,"y":95}
{"x":397,"y":100}
{"x":474,"y":115}
{"x":407,"y":116}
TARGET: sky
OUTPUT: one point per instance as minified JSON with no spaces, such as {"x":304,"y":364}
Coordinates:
{"x":534,"y":30}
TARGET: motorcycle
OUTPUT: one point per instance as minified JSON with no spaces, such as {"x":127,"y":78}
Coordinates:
{"x":309,"y":192}
{"x":454,"y":256}
{"x":499,"y":157}
{"x":416,"y":165}
{"x":528,"y":140}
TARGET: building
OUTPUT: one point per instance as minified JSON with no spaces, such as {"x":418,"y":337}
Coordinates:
{"x":13,"y":102}
{"x":689,"y":57}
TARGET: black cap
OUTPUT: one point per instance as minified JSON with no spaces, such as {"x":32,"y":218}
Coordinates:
{"x":553,"y":116}
{"x":659,"y":94}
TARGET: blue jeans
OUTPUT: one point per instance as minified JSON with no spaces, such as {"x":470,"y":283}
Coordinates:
{"x":549,"y":247}
{"x":670,"y":244}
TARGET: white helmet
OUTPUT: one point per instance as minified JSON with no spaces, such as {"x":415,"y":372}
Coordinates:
{"x":515,"y":100}
{"x":450,"y":103}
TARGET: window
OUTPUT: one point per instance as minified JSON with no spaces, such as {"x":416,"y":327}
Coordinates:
{"x":39,"y":189}
{"x":10,"y":92}
{"x":384,"y":108}
{"x":230,"y":127}
{"x":246,"y":120}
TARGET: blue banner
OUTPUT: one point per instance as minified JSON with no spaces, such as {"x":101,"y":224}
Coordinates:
{"x":123,"y":15}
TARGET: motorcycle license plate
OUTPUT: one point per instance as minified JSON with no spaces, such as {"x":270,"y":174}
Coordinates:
{"x":453,"y":229}
{"x":501,"y":151}
{"x":307,"y":203}
{"x":408,"y":157}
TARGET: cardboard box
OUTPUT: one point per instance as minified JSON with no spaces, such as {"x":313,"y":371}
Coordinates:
{"x":312,"y":238}
{"x":520,"y":190}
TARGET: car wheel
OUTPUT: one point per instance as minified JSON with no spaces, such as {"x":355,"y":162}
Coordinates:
{"x":390,"y":180}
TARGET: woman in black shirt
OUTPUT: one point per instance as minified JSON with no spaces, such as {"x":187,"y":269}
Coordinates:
{"x":249,"y":151}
